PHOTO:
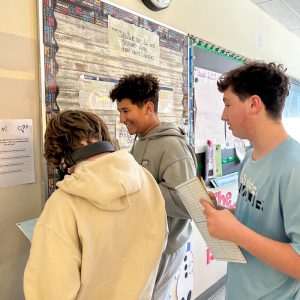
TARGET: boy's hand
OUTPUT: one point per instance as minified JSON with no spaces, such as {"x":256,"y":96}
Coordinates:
{"x":222,"y":224}
{"x":213,"y":199}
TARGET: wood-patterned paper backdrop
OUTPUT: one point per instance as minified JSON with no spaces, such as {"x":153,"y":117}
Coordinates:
{"x":76,"y":44}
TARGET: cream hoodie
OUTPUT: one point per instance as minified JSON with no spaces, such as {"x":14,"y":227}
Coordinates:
{"x":100,"y":235}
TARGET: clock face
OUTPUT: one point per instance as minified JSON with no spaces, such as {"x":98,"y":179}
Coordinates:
{"x":161,"y":3}
{"x":157,"y":4}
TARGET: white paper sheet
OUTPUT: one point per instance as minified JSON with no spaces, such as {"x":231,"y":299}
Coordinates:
{"x":209,"y":107}
{"x":190,"y":193}
{"x":16,"y":152}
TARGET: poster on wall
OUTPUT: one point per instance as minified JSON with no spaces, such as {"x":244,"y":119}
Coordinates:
{"x":94,"y":93}
{"x":16,"y":152}
{"x":209,"y":107}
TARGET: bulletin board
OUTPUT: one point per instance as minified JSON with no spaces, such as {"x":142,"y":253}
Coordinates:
{"x":207,"y":63}
{"x":87,"y":45}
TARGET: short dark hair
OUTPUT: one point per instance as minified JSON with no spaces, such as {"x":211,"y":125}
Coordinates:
{"x":266,"y":80}
{"x":67,"y":129}
{"x":139,"y":88}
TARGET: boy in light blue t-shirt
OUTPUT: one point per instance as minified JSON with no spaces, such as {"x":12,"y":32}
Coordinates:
{"x":266,"y":224}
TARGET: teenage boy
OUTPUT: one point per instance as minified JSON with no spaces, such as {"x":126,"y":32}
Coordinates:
{"x":162,"y":149}
{"x":266,"y":224}
{"x":102,"y":232}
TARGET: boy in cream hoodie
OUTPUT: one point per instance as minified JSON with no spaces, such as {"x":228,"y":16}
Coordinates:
{"x":102,"y":232}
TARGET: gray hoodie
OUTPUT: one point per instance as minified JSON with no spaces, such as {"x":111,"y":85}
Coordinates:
{"x":165,"y":153}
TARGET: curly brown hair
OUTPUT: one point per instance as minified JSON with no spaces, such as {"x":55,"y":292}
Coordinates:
{"x":266,"y":80}
{"x":67,"y":129}
{"x":139,"y":88}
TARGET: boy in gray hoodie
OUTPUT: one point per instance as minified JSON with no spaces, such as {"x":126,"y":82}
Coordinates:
{"x":162,"y":149}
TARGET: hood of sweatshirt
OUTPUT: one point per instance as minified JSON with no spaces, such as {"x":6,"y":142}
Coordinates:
{"x":107,"y":182}
{"x":164,"y":129}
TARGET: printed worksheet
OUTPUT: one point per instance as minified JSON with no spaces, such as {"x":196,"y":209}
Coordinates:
{"x":190,"y":193}
{"x":16,"y":152}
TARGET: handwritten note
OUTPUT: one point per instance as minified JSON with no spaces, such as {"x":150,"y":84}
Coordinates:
{"x":16,"y":152}
{"x":190,"y":193}
{"x":130,"y":41}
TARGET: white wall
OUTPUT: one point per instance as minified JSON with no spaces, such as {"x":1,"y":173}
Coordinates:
{"x":18,"y":100}
{"x":237,"y":25}
{"x":234,"y":24}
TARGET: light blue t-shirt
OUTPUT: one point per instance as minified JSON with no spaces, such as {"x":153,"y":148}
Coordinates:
{"x":268,"y":203}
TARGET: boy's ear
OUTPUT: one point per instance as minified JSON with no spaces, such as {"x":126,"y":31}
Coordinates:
{"x":256,"y":104}
{"x":149,"y":106}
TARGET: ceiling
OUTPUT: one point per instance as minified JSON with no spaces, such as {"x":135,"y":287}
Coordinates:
{"x":286,"y":12}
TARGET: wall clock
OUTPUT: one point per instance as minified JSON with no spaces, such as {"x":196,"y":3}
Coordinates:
{"x":157,"y":4}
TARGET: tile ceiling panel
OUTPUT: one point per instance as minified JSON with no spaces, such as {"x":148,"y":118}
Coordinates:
{"x":285,"y":12}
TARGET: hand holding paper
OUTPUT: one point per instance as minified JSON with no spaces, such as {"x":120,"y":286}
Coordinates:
{"x":213,"y":199}
{"x":222,"y":224}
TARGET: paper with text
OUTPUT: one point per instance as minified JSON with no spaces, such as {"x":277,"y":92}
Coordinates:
{"x":16,"y":152}
{"x":190,"y":193}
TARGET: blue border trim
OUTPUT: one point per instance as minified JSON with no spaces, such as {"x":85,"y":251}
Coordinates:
{"x":191,"y":96}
